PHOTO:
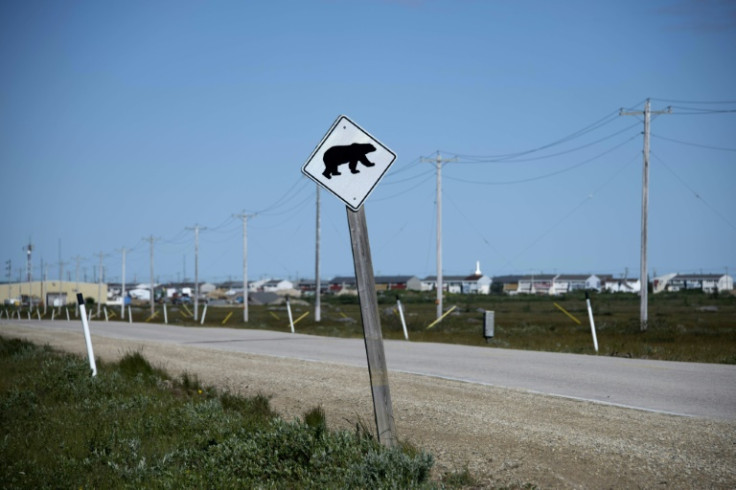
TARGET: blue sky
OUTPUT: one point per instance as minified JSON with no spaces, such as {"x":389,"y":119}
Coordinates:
{"x":125,"y":120}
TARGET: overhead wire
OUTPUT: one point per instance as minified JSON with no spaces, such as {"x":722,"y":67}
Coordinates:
{"x":546,"y":175}
{"x":688,"y":143}
{"x":695,"y":193}
{"x":607,"y":119}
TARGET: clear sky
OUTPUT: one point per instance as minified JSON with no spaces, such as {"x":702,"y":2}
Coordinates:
{"x":125,"y":120}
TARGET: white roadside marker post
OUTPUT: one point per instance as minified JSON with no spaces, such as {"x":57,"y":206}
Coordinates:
{"x":288,"y":310}
{"x":87,"y":336}
{"x":204,"y":314}
{"x":592,"y":322}
{"x":401,"y":315}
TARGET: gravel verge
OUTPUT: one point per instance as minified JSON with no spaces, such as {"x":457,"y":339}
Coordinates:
{"x":503,"y":437}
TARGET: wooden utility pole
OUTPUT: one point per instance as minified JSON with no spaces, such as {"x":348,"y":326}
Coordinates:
{"x":99,"y":285}
{"x":150,"y":240}
{"x":122,"y":292}
{"x":643,"y":276}
{"x":377,"y":369}
{"x":440,"y":286}
{"x":196,"y":229}
{"x":244,"y":217}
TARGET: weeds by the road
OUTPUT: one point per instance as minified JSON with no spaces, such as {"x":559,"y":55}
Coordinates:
{"x":132,"y":426}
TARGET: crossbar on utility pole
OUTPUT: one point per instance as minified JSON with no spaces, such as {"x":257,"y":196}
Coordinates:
{"x":438,"y":161}
{"x":643,"y":276}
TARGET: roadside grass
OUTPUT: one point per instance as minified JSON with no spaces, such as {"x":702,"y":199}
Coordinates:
{"x":133,"y":426}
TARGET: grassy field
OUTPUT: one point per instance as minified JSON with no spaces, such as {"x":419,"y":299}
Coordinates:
{"x":132,"y":426}
{"x":685,"y":326}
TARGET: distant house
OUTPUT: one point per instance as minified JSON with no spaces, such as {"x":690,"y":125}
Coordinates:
{"x":340,"y":284}
{"x":568,"y":283}
{"x":387,"y":283}
{"x":595,"y":281}
{"x":450,"y":284}
{"x":506,"y":284}
{"x":275,"y":285}
{"x":536,"y":284}
{"x":621,"y":285}
{"x":708,"y":283}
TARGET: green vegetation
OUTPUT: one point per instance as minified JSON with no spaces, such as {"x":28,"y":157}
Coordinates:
{"x":132,"y":426}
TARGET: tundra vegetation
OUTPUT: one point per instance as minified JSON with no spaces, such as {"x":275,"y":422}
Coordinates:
{"x":133,"y":426}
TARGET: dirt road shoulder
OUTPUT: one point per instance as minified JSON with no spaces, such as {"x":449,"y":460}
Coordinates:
{"x":503,"y":437}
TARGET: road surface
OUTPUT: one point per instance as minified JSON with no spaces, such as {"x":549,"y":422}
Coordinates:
{"x":690,"y":389}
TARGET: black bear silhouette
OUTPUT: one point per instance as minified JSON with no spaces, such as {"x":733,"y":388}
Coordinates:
{"x":350,"y":154}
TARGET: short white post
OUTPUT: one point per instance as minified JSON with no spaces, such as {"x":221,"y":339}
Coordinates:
{"x":166,"y":315}
{"x":67,"y":314}
{"x":87,"y":336}
{"x":38,"y":313}
{"x":592,"y":322}
{"x":401,"y":315}
{"x":53,"y":312}
{"x":29,"y":314}
{"x":18,"y":311}
{"x":204,"y":314}
{"x":107,"y":318}
{"x":130,"y":315}
{"x":291,"y":319}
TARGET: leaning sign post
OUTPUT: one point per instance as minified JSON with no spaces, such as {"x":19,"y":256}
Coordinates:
{"x":364,"y":161}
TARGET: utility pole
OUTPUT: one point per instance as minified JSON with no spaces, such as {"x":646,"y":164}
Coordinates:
{"x":122,"y":293}
{"x":317,"y":284}
{"x":244,"y":217}
{"x":196,"y":229}
{"x":61,"y":272}
{"x":643,"y":277}
{"x":440,"y":286}
{"x":150,"y":240}
{"x":29,"y":249}
{"x":77,"y":259}
{"x":99,"y":285}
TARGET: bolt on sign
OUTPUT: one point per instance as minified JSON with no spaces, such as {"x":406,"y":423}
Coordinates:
{"x":348,"y":162}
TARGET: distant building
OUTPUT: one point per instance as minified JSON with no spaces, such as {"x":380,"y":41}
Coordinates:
{"x":708,"y":283}
{"x":621,"y":285}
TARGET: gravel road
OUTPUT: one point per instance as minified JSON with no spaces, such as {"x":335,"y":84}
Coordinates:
{"x":504,"y":437}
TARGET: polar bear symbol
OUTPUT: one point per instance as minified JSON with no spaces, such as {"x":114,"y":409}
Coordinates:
{"x":350,"y":154}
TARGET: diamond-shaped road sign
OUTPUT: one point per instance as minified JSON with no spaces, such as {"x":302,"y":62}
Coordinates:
{"x":348,"y":162}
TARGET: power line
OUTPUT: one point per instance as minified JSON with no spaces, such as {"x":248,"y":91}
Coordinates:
{"x":547,"y":175}
{"x":696,"y":194}
{"x":720,"y":148}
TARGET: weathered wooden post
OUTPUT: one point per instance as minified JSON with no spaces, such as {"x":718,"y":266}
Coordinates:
{"x":347,"y":143}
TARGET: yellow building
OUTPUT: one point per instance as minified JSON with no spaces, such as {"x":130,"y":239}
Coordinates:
{"x":53,"y":293}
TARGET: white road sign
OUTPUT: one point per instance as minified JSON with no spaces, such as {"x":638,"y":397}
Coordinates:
{"x":348,"y":162}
